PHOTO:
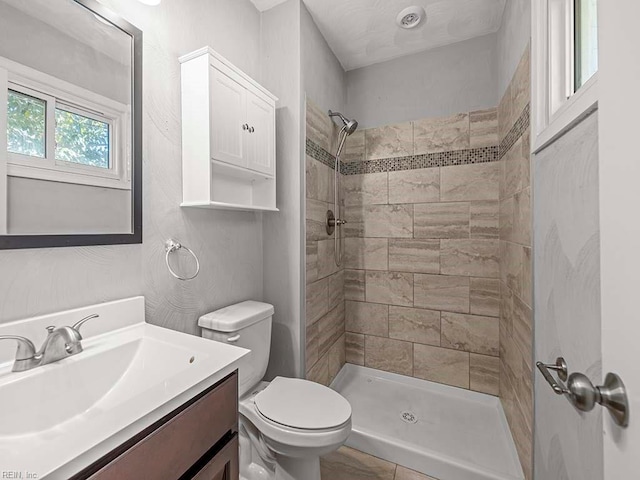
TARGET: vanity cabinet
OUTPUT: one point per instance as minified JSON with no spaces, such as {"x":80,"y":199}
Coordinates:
{"x":199,"y":440}
{"x":228,"y":136}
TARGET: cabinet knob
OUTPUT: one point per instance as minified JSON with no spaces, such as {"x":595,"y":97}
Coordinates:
{"x":251,"y":129}
{"x":245,"y":126}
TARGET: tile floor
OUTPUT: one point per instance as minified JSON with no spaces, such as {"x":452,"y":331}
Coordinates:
{"x":349,"y":464}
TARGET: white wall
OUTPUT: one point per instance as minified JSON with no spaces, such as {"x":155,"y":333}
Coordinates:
{"x":229,"y":244}
{"x":323,"y":79}
{"x":513,"y":37}
{"x":456,"y":78}
{"x":283,"y":237}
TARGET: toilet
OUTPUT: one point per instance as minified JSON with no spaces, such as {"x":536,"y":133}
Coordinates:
{"x":286,"y":424}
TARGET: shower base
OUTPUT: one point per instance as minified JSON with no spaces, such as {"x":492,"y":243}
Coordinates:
{"x":444,"y":432}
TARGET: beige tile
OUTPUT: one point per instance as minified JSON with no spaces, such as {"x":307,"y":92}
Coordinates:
{"x":414,"y":186}
{"x":439,"y":292}
{"x":483,"y":128}
{"x":349,"y":464}
{"x":330,"y":327}
{"x":507,"y":217}
{"x":462,"y":183}
{"x":389,"y":141}
{"x":336,"y":289}
{"x":354,"y":347}
{"x":319,"y":180}
{"x":517,"y":170}
{"x":418,"y":256}
{"x":414,"y":325}
{"x":369,"y":318}
{"x":389,"y":355}
{"x":441,"y":365}
{"x":317,"y":300}
{"x":311,"y":351}
{"x":484,"y":220}
{"x":319,"y":372}
{"x":475,"y":258}
{"x":319,"y":125}
{"x":471,"y":333}
{"x":393,"y":288}
{"x":312,"y":262}
{"x":522,"y":217}
{"x":521,"y":85}
{"x":484,"y":374}
{"x":442,"y":134}
{"x":326,"y":260}
{"x":316,"y":215}
{"x":527,"y":277}
{"x":354,"y":147}
{"x":441,"y":220}
{"x":366,"y":253}
{"x":512,"y":267}
{"x":504,"y":114}
{"x":366,"y":189}
{"x":336,"y":357}
{"x":403,"y":473}
{"x":485,"y":297}
{"x":354,"y":281}
{"x":379,"y":221}
{"x":522,"y":327}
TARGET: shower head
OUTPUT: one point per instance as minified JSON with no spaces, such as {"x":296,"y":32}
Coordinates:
{"x":350,"y":126}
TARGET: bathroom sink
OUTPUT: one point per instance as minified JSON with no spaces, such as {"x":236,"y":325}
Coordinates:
{"x":58,"y":418}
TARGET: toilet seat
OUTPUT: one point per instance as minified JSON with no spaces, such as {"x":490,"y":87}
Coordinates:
{"x":302,"y":404}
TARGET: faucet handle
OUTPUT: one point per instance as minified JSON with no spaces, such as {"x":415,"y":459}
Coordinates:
{"x":26,"y":348}
{"x":78,"y":324}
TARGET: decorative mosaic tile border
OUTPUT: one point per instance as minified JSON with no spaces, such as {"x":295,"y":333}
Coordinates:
{"x":427,"y":160}
{"x":517,"y":130}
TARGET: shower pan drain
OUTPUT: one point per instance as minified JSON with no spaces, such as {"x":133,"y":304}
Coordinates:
{"x":409,"y":417}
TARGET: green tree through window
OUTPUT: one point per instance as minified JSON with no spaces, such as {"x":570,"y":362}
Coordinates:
{"x":82,"y":140}
{"x":26,"y":125}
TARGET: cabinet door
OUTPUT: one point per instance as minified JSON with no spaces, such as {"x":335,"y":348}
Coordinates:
{"x":228,"y":115}
{"x":224,"y":466}
{"x":260,"y":141}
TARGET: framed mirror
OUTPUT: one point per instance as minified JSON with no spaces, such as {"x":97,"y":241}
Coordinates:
{"x":70,"y":125}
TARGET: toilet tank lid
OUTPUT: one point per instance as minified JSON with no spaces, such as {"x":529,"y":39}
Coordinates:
{"x":236,"y":317}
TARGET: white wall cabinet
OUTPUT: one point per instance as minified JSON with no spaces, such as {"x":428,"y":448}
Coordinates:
{"x":228,"y":136}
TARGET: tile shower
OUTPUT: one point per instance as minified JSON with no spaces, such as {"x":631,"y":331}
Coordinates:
{"x":436,"y":277}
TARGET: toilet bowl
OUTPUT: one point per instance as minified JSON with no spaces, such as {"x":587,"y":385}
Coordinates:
{"x":285,"y":424}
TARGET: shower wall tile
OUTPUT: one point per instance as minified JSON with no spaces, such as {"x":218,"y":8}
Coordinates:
{"x":391,"y":288}
{"x":319,"y":372}
{"x":365,"y":189}
{"x":414,"y":186}
{"x":475,"y":258}
{"x":441,"y":220}
{"x":470,"y":333}
{"x":380,"y":221}
{"x":319,"y":180}
{"x":470,"y":182}
{"x":366,"y":253}
{"x":330,"y":328}
{"x":367,"y":318}
{"x":484,"y":374}
{"x":516,"y":170}
{"x":439,"y":292}
{"x":483,"y":126}
{"x":354,"y":147}
{"x":354,"y":345}
{"x":418,"y":256}
{"x":317,"y":300}
{"x":354,"y":285}
{"x":441,"y":365}
{"x":336,"y":356}
{"x":326,"y":262}
{"x":484,"y":298}
{"x":441,"y":134}
{"x":389,"y":355}
{"x":414,"y":325}
{"x":312,"y":261}
{"x":311,"y":352}
{"x":336,"y":289}
{"x":484,"y":220}
{"x":319,"y":126}
{"x":521,"y":85}
{"x":389,"y":141}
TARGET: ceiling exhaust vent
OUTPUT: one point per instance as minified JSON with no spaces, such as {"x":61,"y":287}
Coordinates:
{"x":411,"y":17}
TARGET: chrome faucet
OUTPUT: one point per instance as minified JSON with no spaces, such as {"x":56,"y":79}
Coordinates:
{"x":61,"y":342}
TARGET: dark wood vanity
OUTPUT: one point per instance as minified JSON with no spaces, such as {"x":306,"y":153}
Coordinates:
{"x":198,"y":440}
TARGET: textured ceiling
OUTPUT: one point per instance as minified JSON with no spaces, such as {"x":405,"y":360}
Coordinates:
{"x":263,"y":5}
{"x":364,"y":32}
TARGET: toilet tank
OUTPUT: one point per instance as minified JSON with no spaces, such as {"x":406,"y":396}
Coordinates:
{"x":247,"y":325}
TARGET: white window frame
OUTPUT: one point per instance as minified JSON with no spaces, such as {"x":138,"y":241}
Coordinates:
{"x":555,"y":106}
{"x":58,"y":93}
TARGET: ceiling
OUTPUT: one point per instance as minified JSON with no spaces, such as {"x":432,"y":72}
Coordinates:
{"x":364,"y":32}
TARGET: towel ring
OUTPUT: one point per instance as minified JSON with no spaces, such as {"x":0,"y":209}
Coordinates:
{"x":171,"y":246}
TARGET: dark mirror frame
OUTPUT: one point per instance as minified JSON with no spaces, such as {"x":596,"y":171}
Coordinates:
{"x":8,"y":242}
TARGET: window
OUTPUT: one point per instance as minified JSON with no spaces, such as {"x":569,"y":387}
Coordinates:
{"x":60,"y":132}
{"x":564,"y":65}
